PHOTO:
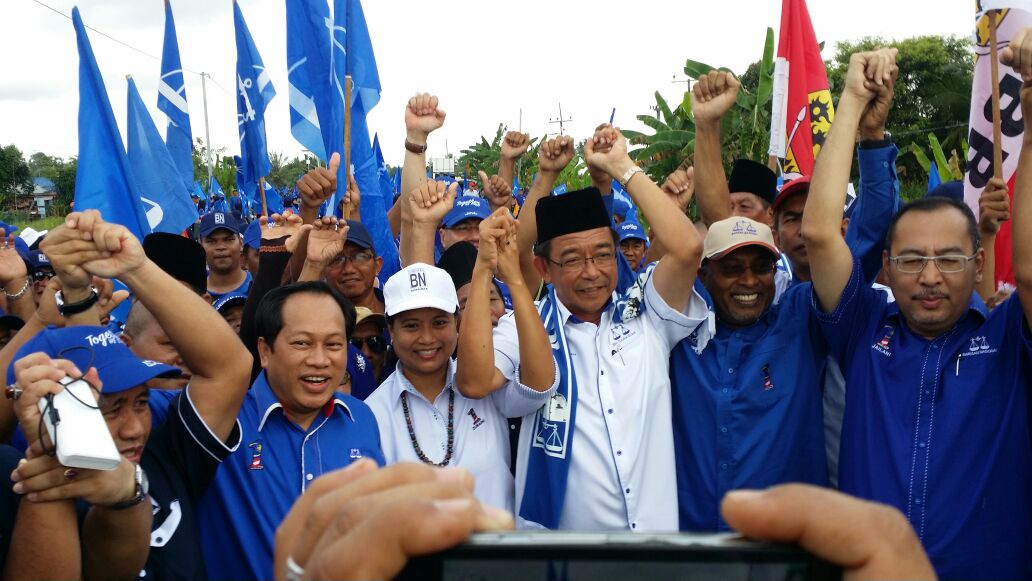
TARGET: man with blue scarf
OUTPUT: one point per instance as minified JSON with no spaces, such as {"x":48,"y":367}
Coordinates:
{"x":600,"y":454}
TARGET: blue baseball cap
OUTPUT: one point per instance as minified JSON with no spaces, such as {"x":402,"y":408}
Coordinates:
{"x":8,"y":228}
{"x":253,"y":235}
{"x":631,"y":229}
{"x":230,"y":300}
{"x":216,"y":220}
{"x":118,"y":368}
{"x":358,"y":235}
{"x":37,"y":260}
{"x":465,"y":208}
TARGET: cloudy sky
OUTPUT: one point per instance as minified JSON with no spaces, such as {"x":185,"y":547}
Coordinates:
{"x":486,"y":60}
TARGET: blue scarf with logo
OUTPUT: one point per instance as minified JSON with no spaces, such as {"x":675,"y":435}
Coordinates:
{"x":551,"y":443}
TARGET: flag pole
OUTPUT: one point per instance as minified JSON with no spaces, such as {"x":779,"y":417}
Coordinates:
{"x":994,"y":64}
{"x":207,"y":132}
{"x":347,"y":141}
{"x":261,"y":189}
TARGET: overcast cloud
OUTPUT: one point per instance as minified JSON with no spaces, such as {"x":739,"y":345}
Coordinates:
{"x":485,"y":60}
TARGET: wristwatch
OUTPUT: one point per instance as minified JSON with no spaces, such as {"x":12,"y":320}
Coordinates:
{"x":142,"y":488}
{"x":75,"y":308}
{"x":415,"y":147}
{"x":626,"y":177}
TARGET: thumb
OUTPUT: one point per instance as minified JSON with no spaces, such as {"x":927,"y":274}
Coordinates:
{"x":449,"y":196}
{"x":117,"y":297}
{"x":483,"y":177}
{"x":334,"y":163}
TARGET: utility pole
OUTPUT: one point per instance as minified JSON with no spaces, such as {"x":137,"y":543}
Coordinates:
{"x":207,"y":132}
{"x":561,"y":121}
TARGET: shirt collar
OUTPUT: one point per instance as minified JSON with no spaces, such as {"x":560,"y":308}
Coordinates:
{"x":268,"y":402}
{"x":405,"y":385}
{"x":569,"y":317}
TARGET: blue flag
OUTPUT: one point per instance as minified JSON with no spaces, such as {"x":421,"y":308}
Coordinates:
{"x":103,"y":179}
{"x":386,"y":184}
{"x":217,"y":203}
{"x":172,"y":100}
{"x":165,"y":199}
{"x":933,"y":177}
{"x":199,"y":192}
{"x":273,"y":199}
{"x":254,"y":91}
{"x":309,"y":72}
{"x":247,"y":190}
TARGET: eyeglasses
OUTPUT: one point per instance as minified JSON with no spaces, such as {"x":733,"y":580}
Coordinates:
{"x":357,"y":258}
{"x":376,"y":343}
{"x":42,"y":275}
{"x":738,"y":269}
{"x":945,"y":263}
{"x":578,"y":264}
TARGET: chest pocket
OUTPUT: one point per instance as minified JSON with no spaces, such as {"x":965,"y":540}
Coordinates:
{"x":969,"y":379}
{"x":624,"y":345}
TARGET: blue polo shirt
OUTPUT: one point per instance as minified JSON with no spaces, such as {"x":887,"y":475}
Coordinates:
{"x":747,"y":409}
{"x":244,"y":288}
{"x":256,"y":486}
{"x":939,"y":429}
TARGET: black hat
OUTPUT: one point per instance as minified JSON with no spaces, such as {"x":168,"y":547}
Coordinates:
{"x":754,"y":178}
{"x":458,"y":261}
{"x":571,"y":212}
{"x":180,"y":257}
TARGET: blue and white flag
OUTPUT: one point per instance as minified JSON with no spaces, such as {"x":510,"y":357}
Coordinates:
{"x":273,"y":199}
{"x":172,"y":100}
{"x":254,"y":91}
{"x":103,"y":178}
{"x":165,"y":199}
{"x":386,"y":184}
{"x":309,"y":73}
{"x":217,"y":201}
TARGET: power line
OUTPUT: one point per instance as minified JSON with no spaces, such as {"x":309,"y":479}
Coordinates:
{"x":127,"y":45}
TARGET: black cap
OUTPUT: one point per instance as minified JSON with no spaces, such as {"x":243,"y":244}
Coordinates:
{"x":180,"y":257}
{"x":458,"y":261}
{"x":754,"y":178}
{"x":571,"y":212}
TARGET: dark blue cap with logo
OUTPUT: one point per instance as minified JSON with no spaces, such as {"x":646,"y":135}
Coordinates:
{"x":359,"y":235}
{"x":118,"y":368}
{"x":466,"y":207}
{"x":37,"y":261}
{"x":631,"y":229}
{"x":219,"y":220}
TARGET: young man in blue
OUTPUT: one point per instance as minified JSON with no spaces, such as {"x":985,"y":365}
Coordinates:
{"x":295,"y":426}
{"x":748,"y":402}
{"x":936,"y":414}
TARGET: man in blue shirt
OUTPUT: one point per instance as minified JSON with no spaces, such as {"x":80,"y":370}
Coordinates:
{"x":747,"y":403}
{"x":633,"y":243}
{"x":295,"y":426}
{"x":936,"y":415}
{"x":220,"y":237}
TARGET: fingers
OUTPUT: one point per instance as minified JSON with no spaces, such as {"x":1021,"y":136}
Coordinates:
{"x":334,"y":163}
{"x":485,"y":181}
{"x":449,"y":196}
{"x":869,"y":540}
{"x":37,"y":474}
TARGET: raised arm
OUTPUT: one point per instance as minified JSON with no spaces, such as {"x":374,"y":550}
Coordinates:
{"x":680,"y":186}
{"x":514,"y":145}
{"x":220,"y":363}
{"x":553,"y":156}
{"x":476,"y":375}
{"x":712,"y":96}
{"x":422,"y":117}
{"x":325,"y":242}
{"x":1019,"y":56}
{"x":675,"y":274}
{"x":868,"y":81}
{"x":993,"y":209}
{"x":422,"y":212}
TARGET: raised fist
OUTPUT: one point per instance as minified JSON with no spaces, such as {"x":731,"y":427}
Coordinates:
{"x":431,"y":202}
{"x":555,"y":154}
{"x":319,"y":184}
{"x":515,"y":144}
{"x":422,"y":117}
{"x":993,"y":207}
{"x":713,"y":95}
{"x":680,"y":186}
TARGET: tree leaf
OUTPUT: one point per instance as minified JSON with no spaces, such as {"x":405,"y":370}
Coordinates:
{"x":695,"y":69}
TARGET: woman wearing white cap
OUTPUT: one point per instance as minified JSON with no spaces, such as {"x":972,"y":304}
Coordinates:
{"x":421,"y":414}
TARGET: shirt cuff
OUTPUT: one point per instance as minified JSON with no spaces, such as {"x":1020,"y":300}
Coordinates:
{"x":519,"y":400}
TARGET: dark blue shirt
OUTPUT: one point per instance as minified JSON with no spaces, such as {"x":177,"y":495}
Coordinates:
{"x":256,"y":486}
{"x":939,"y":429}
{"x":244,"y":288}
{"x":747,"y":410}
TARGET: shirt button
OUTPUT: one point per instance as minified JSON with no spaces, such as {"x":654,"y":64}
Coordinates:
{"x":917,"y":501}
{"x":610,"y":410}
{"x":619,"y":452}
{"x":634,"y":525}
{"x":920,"y":444}
{"x":723,"y":466}
{"x":724,"y":390}
{"x":738,"y":335}
{"x":730,"y":370}
{"x":928,"y":392}
{"x":723,"y":429}
{"x":603,"y":372}
{"x":309,"y":477}
{"x":627,"y":490}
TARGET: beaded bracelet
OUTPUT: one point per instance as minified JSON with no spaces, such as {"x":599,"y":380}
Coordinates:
{"x":18,"y":294}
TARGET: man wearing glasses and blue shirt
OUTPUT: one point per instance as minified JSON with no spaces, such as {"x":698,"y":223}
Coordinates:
{"x":936,"y":415}
{"x":353,"y":272}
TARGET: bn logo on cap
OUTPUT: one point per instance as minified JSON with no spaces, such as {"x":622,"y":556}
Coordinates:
{"x":220,"y":218}
{"x":417,"y":281}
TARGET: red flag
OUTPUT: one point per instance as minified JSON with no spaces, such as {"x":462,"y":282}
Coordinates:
{"x":802,"y":111}
{"x":980,"y":131}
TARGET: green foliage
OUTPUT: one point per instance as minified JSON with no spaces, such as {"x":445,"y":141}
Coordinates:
{"x":932,"y":97}
{"x":15,"y":177}
{"x":58,"y":170}
{"x":482,"y":156}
